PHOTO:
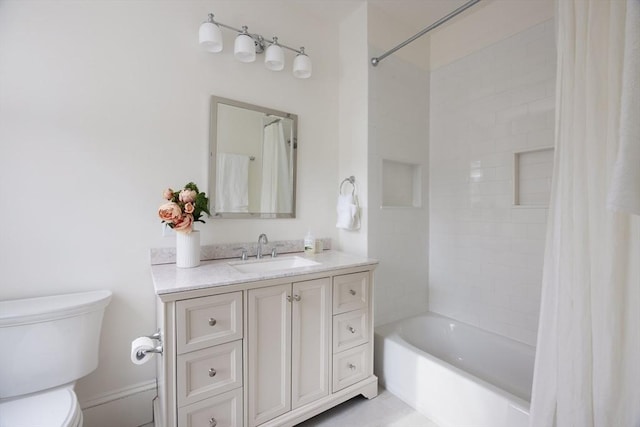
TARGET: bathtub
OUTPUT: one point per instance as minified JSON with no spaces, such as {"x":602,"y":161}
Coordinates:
{"x":455,"y":374}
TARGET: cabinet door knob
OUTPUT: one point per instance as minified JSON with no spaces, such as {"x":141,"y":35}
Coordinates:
{"x":289,"y":298}
{"x":297,"y":297}
{"x":212,"y":321}
{"x":352,"y":292}
{"x":212,"y":422}
{"x":212,"y":372}
{"x":351,"y":329}
{"x":352,"y":366}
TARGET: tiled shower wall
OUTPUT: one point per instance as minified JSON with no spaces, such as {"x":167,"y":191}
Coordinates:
{"x":485,"y":253}
{"x":398,"y":238}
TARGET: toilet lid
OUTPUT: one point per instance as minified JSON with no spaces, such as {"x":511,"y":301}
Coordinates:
{"x":56,"y":408}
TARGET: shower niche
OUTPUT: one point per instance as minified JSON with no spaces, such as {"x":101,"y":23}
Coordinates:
{"x":401,"y":184}
{"x":532,"y":171}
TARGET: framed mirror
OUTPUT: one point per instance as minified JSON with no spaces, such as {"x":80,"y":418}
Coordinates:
{"x":252,"y":161}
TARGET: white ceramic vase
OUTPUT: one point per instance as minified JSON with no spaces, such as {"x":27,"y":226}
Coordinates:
{"x":188,"y":249}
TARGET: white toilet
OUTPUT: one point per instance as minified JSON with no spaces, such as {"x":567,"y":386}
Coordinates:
{"x":46,"y":344}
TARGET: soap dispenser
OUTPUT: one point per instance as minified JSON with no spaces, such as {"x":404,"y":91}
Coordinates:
{"x":309,"y":244}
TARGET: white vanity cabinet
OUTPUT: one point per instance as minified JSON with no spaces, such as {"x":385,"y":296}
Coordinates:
{"x":268,"y":352}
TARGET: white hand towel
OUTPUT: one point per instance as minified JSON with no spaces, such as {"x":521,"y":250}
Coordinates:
{"x":624,"y":193}
{"x":348,"y":212}
{"x":232,"y":186}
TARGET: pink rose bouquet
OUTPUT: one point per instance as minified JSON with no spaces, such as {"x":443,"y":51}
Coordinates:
{"x":183,"y":208}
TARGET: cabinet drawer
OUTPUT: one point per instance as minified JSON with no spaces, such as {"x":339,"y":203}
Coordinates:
{"x":203,"y":322}
{"x":350,"y":292}
{"x":350,"y":330}
{"x":205,"y":373}
{"x":351,"y":366}
{"x":224,"y":410}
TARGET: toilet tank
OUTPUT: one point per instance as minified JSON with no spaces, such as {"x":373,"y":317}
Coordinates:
{"x":49,"y":341}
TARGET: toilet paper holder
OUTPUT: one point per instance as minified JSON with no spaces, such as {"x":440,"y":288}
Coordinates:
{"x":156,"y":336}
{"x":158,"y":349}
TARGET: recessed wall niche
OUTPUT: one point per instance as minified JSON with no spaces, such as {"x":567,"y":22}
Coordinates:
{"x":532,"y":172}
{"x":401,"y":184}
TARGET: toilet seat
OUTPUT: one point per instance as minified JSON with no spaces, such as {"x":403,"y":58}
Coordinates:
{"x":54,"y":408}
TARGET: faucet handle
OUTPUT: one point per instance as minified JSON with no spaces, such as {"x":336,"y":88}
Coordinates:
{"x":243,"y":256}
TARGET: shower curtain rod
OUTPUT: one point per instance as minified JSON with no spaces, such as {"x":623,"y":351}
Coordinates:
{"x":376,"y":60}
{"x":270,"y":123}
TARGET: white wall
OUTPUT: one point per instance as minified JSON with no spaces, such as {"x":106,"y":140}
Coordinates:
{"x":399,"y":235}
{"x":398,"y":131}
{"x":383,"y":110}
{"x":104,"y":104}
{"x":485,"y":254}
{"x":386,"y":32}
{"x":485,"y":23}
{"x":353,"y":95}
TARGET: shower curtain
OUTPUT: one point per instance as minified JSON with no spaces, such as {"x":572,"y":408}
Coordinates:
{"x":587,"y":370}
{"x":277,"y":183}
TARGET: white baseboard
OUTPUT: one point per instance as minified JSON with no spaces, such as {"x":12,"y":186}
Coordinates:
{"x":128,"y":407}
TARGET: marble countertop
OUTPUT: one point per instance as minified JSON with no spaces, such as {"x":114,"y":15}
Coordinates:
{"x":167,"y":278}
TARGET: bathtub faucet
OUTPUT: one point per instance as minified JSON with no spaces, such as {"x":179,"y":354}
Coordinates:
{"x":261,"y":239}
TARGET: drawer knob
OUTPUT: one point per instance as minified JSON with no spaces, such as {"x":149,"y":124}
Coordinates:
{"x":351,"y":329}
{"x":212,"y":321}
{"x":212,"y":372}
{"x":352,"y":292}
{"x":297,"y":297}
{"x":212,"y":422}
{"x":352,"y":366}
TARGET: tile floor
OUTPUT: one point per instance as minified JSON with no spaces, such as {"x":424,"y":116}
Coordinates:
{"x":386,"y":410}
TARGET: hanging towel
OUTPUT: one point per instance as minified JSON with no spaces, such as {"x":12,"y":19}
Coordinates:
{"x":624,"y":193}
{"x":348,"y":210}
{"x":232,"y":183}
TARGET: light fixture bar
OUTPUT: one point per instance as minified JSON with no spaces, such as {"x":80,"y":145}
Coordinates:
{"x":247,"y":45}
{"x":255,"y":36}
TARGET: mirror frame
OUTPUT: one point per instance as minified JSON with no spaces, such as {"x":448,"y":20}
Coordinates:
{"x":213,"y":159}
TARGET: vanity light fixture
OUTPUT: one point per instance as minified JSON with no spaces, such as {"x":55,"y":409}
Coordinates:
{"x":247,"y":45}
{"x":244,"y":48}
{"x":210,"y":36}
{"x":274,"y":57}
{"x":302,"y":65}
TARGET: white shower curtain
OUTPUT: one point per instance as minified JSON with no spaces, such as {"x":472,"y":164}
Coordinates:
{"x":587,"y":371}
{"x":277,"y":183}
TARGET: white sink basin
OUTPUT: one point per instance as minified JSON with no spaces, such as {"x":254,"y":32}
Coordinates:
{"x":272,"y":264}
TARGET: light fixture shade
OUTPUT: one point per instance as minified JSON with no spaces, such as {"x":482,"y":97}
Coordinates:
{"x":302,"y":66}
{"x":244,"y":48}
{"x":274,"y":58}
{"x":210,"y":37}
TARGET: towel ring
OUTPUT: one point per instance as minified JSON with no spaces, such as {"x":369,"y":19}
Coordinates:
{"x":351,"y":180}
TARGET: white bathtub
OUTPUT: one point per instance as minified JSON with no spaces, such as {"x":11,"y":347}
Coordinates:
{"x":455,"y":374}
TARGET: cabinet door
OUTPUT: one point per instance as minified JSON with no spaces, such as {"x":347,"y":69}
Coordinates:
{"x":311,"y":328}
{"x":269,"y":340}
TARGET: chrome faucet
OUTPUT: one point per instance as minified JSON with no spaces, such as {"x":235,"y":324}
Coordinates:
{"x":261,"y":239}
